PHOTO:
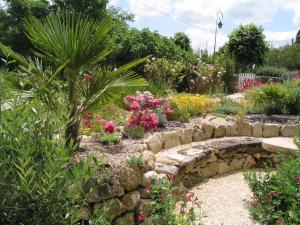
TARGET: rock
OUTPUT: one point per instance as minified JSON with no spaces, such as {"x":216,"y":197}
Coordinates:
{"x":220,"y":131}
{"x":208,"y":130}
{"x":249,"y":162}
{"x":130,"y":200}
{"x":237,"y":164}
{"x":148,"y":177}
{"x":231,"y":130}
{"x":271,"y":130}
{"x":244,"y":128}
{"x":212,"y":158}
{"x":287,"y":131}
{"x":148,"y":159}
{"x":223,"y":167}
{"x":144,"y":207}
{"x":186,"y":136}
{"x":154,"y":143}
{"x":257,"y":155}
{"x":130,"y":178}
{"x":257,"y":129}
{"x":111,"y":208}
{"x":84,"y":212}
{"x":171,"y":139}
{"x":164,"y":168}
{"x":144,"y":193}
{"x":198,"y":135}
{"x":210,"y":170}
{"x":110,"y":187}
{"x":127,"y":219}
{"x":280,"y":144}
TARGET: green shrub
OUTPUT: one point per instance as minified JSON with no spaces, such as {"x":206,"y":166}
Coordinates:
{"x":277,"y":98}
{"x":134,"y":132}
{"x":276,"y":195}
{"x":37,"y":170}
{"x":229,"y":107}
{"x":271,"y":71}
{"x":109,"y":138}
{"x":135,"y":161}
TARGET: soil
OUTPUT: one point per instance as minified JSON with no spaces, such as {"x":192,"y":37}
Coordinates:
{"x":280,"y":119}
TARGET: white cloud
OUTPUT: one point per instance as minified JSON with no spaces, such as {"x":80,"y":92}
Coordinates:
{"x":279,"y":38}
{"x":149,"y":8}
{"x":293,"y":5}
{"x":112,"y":2}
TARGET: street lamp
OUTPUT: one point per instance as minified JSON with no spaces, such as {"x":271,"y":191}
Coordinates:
{"x":219,"y":25}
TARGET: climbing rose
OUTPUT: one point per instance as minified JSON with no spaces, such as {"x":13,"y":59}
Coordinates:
{"x":141,"y":218}
{"x":109,"y":127}
{"x":135,"y":106}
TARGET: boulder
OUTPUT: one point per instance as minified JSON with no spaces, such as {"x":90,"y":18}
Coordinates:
{"x":237,"y":164}
{"x":220,"y":131}
{"x":244,"y":128}
{"x":84,"y":212}
{"x":148,"y":159}
{"x":209,"y":170}
{"x":231,"y":130}
{"x":198,"y":134}
{"x":171,"y":139}
{"x":130,"y":178}
{"x":287,"y":131}
{"x":130,"y":200}
{"x":127,"y":219}
{"x":111,"y":208}
{"x":212,"y":158}
{"x":110,"y":187}
{"x":186,"y":136}
{"x":154,"y":143}
{"x":271,"y":130}
{"x":208,"y":130}
{"x":249,"y":162}
{"x":257,"y":129}
{"x":223,"y":167}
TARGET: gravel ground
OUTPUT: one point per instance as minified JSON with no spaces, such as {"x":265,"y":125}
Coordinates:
{"x":224,"y":200}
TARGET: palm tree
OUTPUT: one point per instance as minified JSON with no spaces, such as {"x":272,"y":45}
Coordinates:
{"x":75,"y":45}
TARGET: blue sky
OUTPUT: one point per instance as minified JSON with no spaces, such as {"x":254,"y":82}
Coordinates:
{"x":279,"y":18}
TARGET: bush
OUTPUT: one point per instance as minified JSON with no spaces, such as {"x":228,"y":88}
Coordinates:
{"x":38,"y":171}
{"x":277,"y":98}
{"x":276,"y":195}
{"x":109,"y":138}
{"x":135,"y":161}
{"x":271,"y":71}
{"x":229,"y":107}
{"x":187,"y":105}
{"x":134,"y":132}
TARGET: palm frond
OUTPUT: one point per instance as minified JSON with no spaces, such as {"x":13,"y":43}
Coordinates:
{"x":71,"y":38}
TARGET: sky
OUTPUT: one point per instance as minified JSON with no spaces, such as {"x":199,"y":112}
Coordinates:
{"x":197,"y":18}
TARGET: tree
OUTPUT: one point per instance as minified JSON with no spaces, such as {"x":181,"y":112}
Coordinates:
{"x":298,"y":37}
{"x":74,"y":45}
{"x":247,"y":45}
{"x":183,"y":41}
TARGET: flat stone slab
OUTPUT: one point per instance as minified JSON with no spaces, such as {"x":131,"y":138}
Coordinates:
{"x":278,"y":144}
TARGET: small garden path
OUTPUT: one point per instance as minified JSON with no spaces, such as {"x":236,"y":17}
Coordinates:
{"x":225,"y":200}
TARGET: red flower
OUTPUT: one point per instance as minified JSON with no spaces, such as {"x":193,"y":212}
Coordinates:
{"x":86,"y":122}
{"x":168,"y":111}
{"x":109,"y":127}
{"x":148,"y":187}
{"x":189,"y":196}
{"x":171,"y":177}
{"x":135,"y":106}
{"x":280,"y":221}
{"x":297,"y":178}
{"x":87,"y":115}
{"x":141,"y":218}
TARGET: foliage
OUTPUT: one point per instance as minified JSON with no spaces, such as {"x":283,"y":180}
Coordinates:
{"x":135,"y":161}
{"x":277,"y":98}
{"x":229,"y":77}
{"x":229,"y":107}
{"x":284,"y":57}
{"x":271,"y":71}
{"x":247,"y":45}
{"x":276,"y":194}
{"x":163,"y":205}
{"x":187,"y":105}
{"x":74,"y":44}
{"x":183,"y":41}
{"x":109,"y":138}
{"x":40,"y":183}
{"x":134,"y":132}
{"x":146,"y":111}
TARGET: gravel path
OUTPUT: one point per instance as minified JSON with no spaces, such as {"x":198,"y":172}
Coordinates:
{"x":224,"y":200}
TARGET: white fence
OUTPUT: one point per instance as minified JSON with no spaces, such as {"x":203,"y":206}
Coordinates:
{"x":245,"y":76}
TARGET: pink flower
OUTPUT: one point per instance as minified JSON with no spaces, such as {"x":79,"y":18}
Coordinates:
{"x":129,"y":99}
{"x":297,"y":178}
{"x":109,"y":127}
{"x":135,"y":106}
{"x":86,"y":122}
{"x":171,"y":177}
{"x":148,"y":187}
{"x":168,"y":111}
{"x":141,"y":218}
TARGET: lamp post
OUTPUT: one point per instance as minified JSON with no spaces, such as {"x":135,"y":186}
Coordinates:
{"x":219,"y":25}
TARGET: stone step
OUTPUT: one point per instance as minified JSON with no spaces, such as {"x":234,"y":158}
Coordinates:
{"x":280,"y":144}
